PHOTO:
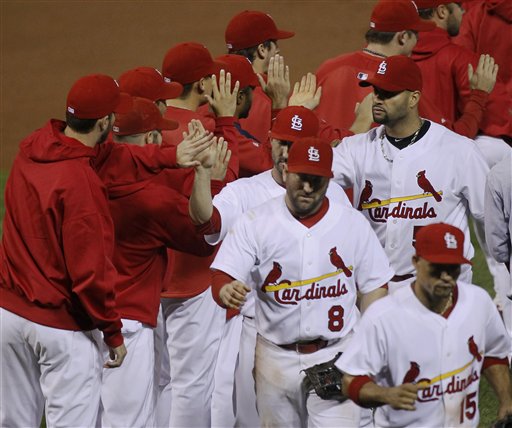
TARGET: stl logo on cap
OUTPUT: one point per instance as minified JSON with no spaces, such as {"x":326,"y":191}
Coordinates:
{"x":415,"y":5}
{"x":296,"y":123}
{"x":450,"y":240}
{"x":313,"y":154}
{"x":382,"y":67}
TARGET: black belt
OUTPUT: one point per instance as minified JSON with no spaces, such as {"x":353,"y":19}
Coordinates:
{"x":306,"y":347}
{"x":398,"y":278}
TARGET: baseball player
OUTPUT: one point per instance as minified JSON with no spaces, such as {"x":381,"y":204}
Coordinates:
{"x":394,"y":27}
{"x":418,"y":355}
{"x":304,"y":273}
{"x":498,"y":227}
{"x":140,"y":258}
{"x":56,"y":275}
{"x":291,"y":124}
{"x":409,"y":172}
{"x":255,"y":36}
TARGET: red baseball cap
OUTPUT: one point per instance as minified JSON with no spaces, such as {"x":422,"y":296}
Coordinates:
{"x":441,"y":243}
{"x":188,"y":62}
{"x":293,"y":123}
{"x":395,"y":74}
{"x":250,"y":28}
{"x":143,"y":117}
{"x":148,"y":82}
{"x":241,"y":69}
{"x":311,"y":155}
{"x":96,"y":96}
{"x":393,"y":16}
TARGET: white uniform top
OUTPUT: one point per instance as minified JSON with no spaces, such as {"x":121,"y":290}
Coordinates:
{"x":245,"y":193}
{"x":310,"y":295}
{"x":452,"y":164}
{"x":399,"y":337}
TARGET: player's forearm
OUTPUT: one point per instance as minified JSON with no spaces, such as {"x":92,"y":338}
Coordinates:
{"x":498,"y":376}
{"x":363,"y":391}
{"x":200,"y":206}
{"x":368,"y":298}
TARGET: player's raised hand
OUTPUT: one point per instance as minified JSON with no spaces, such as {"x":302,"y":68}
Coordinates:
{"x":277,"y":86}
{"x":403,"y":397}
{"x":306,"y":93}
{"x":222,"y":157}
{"x":116,"y":357}
{"x":223,"y":99}
{"x":195,"y":141}
{"x":364,"y":118}
{"x":484,"y":78}
{"x":233,"y":294}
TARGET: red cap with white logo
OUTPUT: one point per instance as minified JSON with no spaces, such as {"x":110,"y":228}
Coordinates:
{"x":311,"y":156}
{"x":293,"y":123}
{"x":441,"y":243}
{"x":395,"y":74}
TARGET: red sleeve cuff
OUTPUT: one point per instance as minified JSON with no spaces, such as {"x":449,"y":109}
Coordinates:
{"x":230,"y":313}
{"x":216,"y":186}
{"x":219,"y":279}
{"x":224,"y":121}
{"x":212,"y":226}
{"x":492,"y":361}
{"x":355,"y":387}
{"x":113,"y":340}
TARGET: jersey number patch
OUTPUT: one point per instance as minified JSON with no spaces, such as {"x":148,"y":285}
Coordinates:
{"x":336,"y":318}
{"x":468,"y":407}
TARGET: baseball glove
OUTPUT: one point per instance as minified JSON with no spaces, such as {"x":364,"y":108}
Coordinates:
{"x":326,"y":380}
{"x":505,"y":422}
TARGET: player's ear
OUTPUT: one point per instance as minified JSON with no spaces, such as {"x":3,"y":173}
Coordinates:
{"x":414,"y":99}
{"x":441,"y":11}
{"x":261,"y":51}
{"x":104,"y":122}
{"x":401,"y":37}
{"x":148,"y":137}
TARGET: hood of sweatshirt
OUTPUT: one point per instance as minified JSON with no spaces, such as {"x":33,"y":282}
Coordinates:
{"x":430,"y":43}
{"x":502,"y":8}
{"x":49,"y":144}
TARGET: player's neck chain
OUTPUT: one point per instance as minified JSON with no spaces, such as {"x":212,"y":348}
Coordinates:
{"x":448,"y":304}
{"x":413,"y":140}
{"x":374,"y":53}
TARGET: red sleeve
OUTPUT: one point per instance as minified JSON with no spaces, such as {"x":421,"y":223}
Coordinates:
{"x":219,"y":279}
{"x":330,"y":133}
{"x":212,"y":226}
{"x":491,"y":361}
{"x":225,"y":127}
{"x":468,"y":124}
{"x":355,"y":387}
{"x":217,"y":186}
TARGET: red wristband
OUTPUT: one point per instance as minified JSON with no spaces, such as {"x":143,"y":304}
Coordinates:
{"x":355,"y":388}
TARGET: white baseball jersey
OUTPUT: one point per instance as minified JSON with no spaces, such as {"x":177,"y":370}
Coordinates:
{"x":399,"y":341}
{"x":305,"y":278}
{"x":434,"y":180}
{"x":241,"y":195}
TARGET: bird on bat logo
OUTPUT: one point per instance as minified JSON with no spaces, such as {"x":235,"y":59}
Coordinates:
{"x":273,"y":276}
{"x":426,"y":186}
{"x":338,"y":263}
{"x":473,"y":349}
{"x":412,"y":373}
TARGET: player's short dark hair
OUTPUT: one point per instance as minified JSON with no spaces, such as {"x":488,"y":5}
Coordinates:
{"x":82,"y":126}
{"x":426,"y":13}
{"x":250,"y":53}
{"x":187,"y":89}
{"x":380,"y":37}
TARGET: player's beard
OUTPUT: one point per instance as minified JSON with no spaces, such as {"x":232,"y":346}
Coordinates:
{"x":452,"y":26}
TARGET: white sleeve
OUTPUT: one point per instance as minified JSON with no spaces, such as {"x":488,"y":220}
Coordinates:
{"x":497,"y":217}
{"x":343,"y":166}
{"x":367,"y":352}
{"x":230,"y":209}
{"x":374,"y":269}
{"x":473,"y":171}
{"x":238,"y":252}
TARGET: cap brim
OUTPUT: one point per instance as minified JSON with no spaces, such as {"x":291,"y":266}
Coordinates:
{"x":167,"y":125}
{"x":125,"y":104}
{"x":308,"y":169}
{"x":284,"y":137}
{"x":446,"y":259}
{"x":283,"y":34}
{"x":382,"y":85}
{"x":171,"y":90}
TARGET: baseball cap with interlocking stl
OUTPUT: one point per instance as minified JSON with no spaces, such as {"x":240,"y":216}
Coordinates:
{"x":395,"y":74}
{"x":441,"y":243}
{"x":311,"y":156}
{"x":293,"y":123}
{"x":392,"y":16}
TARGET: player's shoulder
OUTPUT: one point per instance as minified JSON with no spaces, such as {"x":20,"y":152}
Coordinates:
{"x":357,"y":141}
{"x":467,"y":290}
{"x":265,"y":211}
{"x":382,"y":309}
{"x":445,"y":137}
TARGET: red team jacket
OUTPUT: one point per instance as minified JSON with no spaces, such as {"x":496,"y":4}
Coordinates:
{"x":58,"y":238}
{"x":260,"y":116}
{"x":484,"y":29}
{"x":436,"y":55}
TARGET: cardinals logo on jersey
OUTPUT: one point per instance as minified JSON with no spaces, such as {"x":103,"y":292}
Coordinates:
{"x":426,"y":186}
{"x":273,"y":276}
{"x":366,"y":194}
{"x":338,"y":263}
{"x":413,"y":373}
{"x":473,"y":349}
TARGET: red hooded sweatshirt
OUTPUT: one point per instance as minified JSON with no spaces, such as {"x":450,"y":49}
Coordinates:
{"x":58,"y":238}
{"x":487,"y":29}
{"x":444,"y":66}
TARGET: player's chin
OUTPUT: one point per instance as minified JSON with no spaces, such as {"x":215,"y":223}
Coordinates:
{"x":443,"y":288}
